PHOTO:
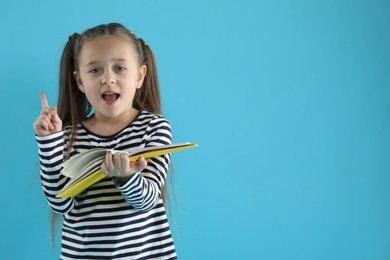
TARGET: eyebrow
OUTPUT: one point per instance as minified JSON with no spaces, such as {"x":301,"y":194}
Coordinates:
{"x":95,"y":62}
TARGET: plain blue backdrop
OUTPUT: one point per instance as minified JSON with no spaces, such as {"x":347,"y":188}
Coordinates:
{"x":288,"y":100}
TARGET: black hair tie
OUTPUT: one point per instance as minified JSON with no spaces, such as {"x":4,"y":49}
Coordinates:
{"x":74,"y":36}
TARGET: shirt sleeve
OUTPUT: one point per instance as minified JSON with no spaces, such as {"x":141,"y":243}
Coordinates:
{"x":51,"y":157}
{"x":143,"y":190}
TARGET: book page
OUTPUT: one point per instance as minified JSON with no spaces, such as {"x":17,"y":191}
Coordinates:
{"x":73,"y":167}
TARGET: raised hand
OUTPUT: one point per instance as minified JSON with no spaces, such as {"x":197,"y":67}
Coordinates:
{"x":48,"y":122}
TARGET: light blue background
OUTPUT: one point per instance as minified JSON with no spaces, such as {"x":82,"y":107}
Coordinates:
{"x":288,"y":100}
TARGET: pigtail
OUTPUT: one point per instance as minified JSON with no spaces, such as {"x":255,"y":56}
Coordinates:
{"x":73,"y":106}
{"x":148,"y":96}
{"x":66,"y":80}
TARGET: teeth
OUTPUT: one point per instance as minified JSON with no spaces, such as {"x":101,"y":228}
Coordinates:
{"x":110,"y":96}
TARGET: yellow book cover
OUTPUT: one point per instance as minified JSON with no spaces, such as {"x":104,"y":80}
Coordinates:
{"x":83,"y":169}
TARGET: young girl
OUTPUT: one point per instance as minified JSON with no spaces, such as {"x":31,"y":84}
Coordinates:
{"x":109,"y":97}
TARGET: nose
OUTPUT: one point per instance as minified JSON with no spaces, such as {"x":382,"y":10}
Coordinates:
{"x":108,"y":78}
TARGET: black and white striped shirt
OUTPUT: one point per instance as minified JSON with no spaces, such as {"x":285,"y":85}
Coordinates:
{"x":108,"y":221}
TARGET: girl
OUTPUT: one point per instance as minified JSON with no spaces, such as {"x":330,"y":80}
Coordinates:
{"x":109,"y":97}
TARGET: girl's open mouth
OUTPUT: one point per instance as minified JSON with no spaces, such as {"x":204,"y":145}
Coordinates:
{"x":110,"y":96}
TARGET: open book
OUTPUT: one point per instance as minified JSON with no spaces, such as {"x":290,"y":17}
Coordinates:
{"x":84,"y":170}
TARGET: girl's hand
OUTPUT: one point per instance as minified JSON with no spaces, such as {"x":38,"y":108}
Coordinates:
{"x":119,"y":165}
{"x":48,"y":122}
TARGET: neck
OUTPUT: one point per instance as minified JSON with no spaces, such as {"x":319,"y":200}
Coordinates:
{"x":107,"y":126}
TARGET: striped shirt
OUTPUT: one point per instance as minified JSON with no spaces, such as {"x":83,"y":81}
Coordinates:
{"x":109,"y":221}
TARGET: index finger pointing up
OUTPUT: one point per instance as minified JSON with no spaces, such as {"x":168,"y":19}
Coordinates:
{"x":45,"y":104}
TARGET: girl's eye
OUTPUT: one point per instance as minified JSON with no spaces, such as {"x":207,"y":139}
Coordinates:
{"x":120,"y":68}
{"x":95,"y":71}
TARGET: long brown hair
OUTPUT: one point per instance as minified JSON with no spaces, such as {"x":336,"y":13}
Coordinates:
{"x":73,"y":106}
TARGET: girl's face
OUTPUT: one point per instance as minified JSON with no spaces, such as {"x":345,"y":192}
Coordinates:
{"x":109,"y":74}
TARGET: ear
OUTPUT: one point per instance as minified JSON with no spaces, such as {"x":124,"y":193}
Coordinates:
{"x":77,"y":77}
{"x":141,"y":76}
